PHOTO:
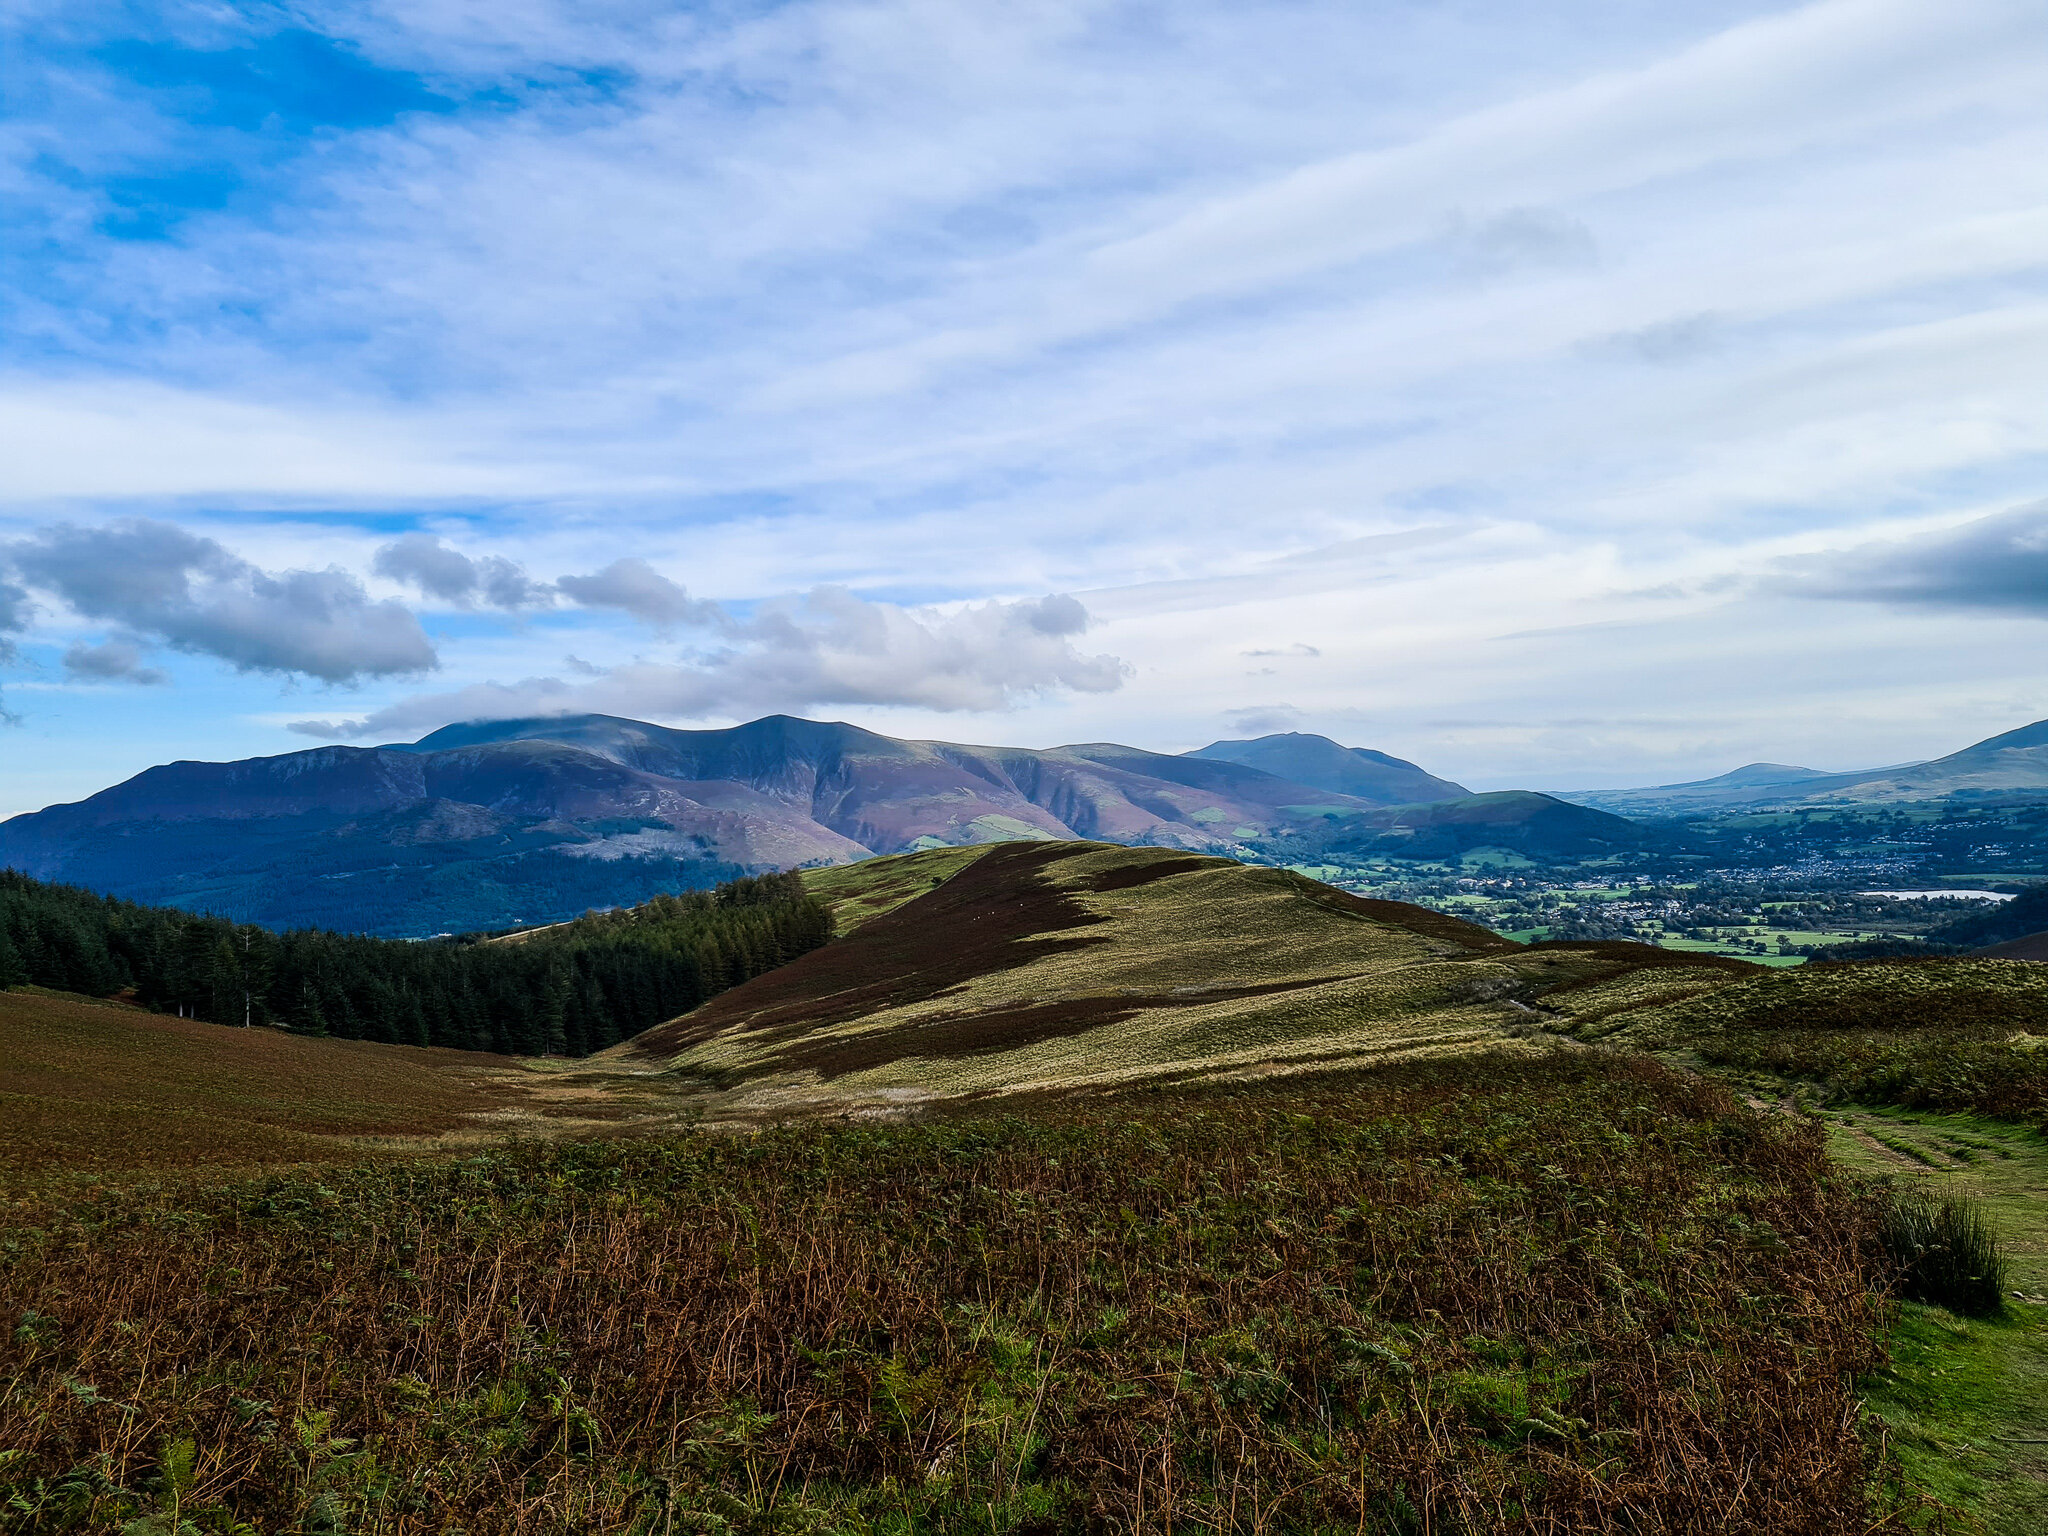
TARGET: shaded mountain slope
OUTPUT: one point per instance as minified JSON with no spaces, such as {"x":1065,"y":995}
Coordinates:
{"x":1055,"y":966}
{"x":1325,"y":764}
{"x":1516,"y":821}
{"x":525,"y":821}
{"x":2028,"y":946}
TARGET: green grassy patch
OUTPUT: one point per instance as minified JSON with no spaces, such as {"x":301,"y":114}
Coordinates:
{"x":1965,"y":1402}
{"x":853,"y":893}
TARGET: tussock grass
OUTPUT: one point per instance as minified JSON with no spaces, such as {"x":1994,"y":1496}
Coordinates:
{"x":1946,"y":1250}
{"x":1574,"y":1293}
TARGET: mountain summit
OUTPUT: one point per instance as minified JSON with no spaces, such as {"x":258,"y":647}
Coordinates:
{"x":1355,"y":771}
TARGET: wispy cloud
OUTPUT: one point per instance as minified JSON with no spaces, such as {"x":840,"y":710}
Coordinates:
{"x":601,"y":320}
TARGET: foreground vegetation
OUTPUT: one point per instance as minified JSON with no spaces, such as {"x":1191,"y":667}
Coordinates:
{"x":567,"y":990}
{"x":1950,"y":1034}
{"x":1575,"y":1292}
{"x":1963,"y":1401}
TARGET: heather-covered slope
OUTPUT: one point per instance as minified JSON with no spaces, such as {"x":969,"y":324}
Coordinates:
{"x":1040,"y":967}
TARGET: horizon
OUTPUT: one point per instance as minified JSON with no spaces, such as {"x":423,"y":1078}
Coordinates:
{"x":1566,"y":400}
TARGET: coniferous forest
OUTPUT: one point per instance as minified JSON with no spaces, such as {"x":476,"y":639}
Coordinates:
{"x":567,"y":990}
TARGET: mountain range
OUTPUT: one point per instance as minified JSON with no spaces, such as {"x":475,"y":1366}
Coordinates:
{"x":495,"y":824}
{"x":2011,"y":764}
{"x":488,"y":824}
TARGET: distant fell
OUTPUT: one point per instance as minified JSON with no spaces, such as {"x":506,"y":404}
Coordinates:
{"x":488,"y":825}
{"x":2011,"y":764}
{"x":1318,"y":761}
{"x":1757,"y":776}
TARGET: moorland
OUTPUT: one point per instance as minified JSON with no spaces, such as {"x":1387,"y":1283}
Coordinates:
{"x":1066,"y":1187}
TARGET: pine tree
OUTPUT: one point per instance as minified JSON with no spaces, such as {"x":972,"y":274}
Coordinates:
{"x":307,"y":1016}
{"x":554,"y":1012}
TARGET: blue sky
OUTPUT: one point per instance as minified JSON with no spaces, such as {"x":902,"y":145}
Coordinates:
{"x":1554,"y":393}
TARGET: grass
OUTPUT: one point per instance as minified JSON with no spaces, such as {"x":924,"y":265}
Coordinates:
{"x":1964,"y":1401}
{"x":1946,"y":1251}
{"x":1051,"y":965}
{"x":1575,"y":1292}
{"x":93,"y":1086}
{"x":854,"y":893}
{"x":1060,"y":965}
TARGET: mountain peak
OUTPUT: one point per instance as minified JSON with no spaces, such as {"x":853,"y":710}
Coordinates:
{"x":1321,"y":763}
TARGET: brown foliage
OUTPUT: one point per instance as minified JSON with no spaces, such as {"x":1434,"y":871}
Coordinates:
{"x":1571,"y":1294}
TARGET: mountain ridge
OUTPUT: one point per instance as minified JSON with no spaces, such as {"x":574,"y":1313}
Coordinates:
{"x":488,"y":825}
{"x":2013,"y":762}
{"x":1326,"y":764}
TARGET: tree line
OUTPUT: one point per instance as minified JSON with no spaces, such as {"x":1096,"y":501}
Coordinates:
{"x":567,"y":990}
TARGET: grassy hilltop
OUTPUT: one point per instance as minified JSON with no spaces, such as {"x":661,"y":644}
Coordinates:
{"x":1027,"y":968}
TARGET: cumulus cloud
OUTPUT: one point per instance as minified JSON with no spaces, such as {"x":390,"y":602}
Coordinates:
{"x":192,"y":594}
{"x":115,"y":660}
{"x":1998,"y":563}
{"x":635,"y":587}
{"x":827,"y":647}
{"x":491,"y":581}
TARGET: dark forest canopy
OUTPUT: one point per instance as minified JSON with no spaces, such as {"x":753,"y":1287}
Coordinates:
{"x":567,"y":990}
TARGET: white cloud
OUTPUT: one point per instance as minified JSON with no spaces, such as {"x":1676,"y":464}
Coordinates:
{"x":192,"y":594}
{"x":826,"y":648}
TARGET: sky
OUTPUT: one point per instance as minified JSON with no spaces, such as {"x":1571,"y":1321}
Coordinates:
{"x":1565,"y":393}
